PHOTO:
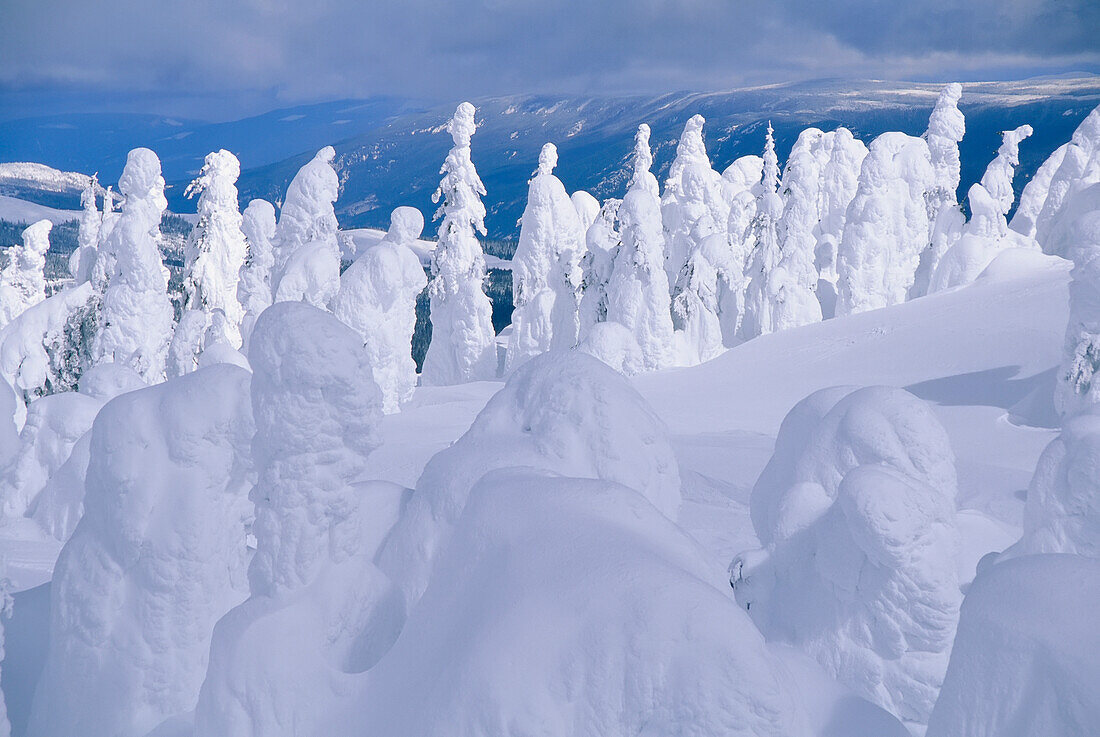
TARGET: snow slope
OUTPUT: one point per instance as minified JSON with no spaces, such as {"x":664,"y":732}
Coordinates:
{"x":16,"y":210}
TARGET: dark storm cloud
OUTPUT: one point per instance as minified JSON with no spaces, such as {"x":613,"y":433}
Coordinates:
{"x":310,"y":49}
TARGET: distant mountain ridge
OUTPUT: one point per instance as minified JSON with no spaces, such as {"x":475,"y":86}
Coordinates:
{"x":389,"y":150}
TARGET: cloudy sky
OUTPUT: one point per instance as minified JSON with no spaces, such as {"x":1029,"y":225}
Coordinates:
{"x":220,"y":59}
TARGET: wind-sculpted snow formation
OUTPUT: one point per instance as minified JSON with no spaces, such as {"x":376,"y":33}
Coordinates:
{"x":307,"y":254}
{"x":157,"y":558}
{"x":377,"y":298}
{"x":856,"y":510}
{"x":462,"y":347}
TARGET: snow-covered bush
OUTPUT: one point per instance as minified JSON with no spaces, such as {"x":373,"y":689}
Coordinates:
{"x":637,"y":292}
{"x":136,"y":319}
{"x":856,"y":510}
{"x":377,"y":298}
{"x":215,"y":250}
{"x":546,"y":270}
{"x":780,"y":287}
{"x":158,"y":556}
{"x":307,"y":253}
{"x":987,"y":233}
{"x":463,"y":344}
{"x":601,"y":249}
{"x":23,"y":280}
{"x":887,"y":225}
{"x":312,"y":586}
{"x":1024,"y":659}
{"x":562,"y":413}
{"x":82,"y":259}
{"x":946,"y":127}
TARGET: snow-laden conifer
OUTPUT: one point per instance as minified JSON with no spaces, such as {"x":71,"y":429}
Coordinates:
{"x":87,"y":238}
{"x":307,"y":253}
{"x":886,"y":226}
{"x":136,"y":319}
{"x":463,"y":344}
{"x":601,"y":249}
{"x":637,"y":293}
{"x":546,"y":267}
{"x":216,"y":248}
{"x":23,"y":280}
{"x":254,"y":282}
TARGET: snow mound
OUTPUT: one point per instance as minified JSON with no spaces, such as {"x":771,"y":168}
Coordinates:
{"x":857,"y":509}
{"x":615,"y":345}
{"x":561,"y":412}
{"x":159,"y":555}
{"x":1025,"y":658}
{"x":540,"y":618}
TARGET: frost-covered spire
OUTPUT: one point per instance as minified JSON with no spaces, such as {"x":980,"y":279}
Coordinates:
{"x":770,"y":179}
{"x":946,"y":127}
{"x":643,"y":160}
{"x":637,"y":293}
{"x":136,"y":323}
{"x":87,"y":238}
{"x":23,"y":280}
{"x":307,"y":255}
{"x":463,"y":340}
{"x":998,"y":176}
{"x":377,"y":298}
{"x":216,"y":249}
{"x":546,"y":274}
{"x":254,"y":283}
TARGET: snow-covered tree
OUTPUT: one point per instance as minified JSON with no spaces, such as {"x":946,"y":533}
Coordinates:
{"x":695,"y":296}
{"x":83,"y":257}
{"x":1072,"y":175}
{"x":216,"y":248}
{"x":136,"y":318}
{"x":886,"y":226}
{"x":602,"y":247}
{"x":681,"y":210}
{"x":307,"y":252}
{"x":546,"y":268}
{"x":946,"y":127}
{"x":254,"y":281}
{"x":987,"y":233}
{"x":839,"y":180}
{"x":463,"y":346}
{"x":23,"y":280}
{"x":742,"y":182}
{"x":186,"y":344}
{"x":1035,"y":193}
{"x":377,"y":298}
{"x":637,"y":293}
{"x":780,"y":287}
